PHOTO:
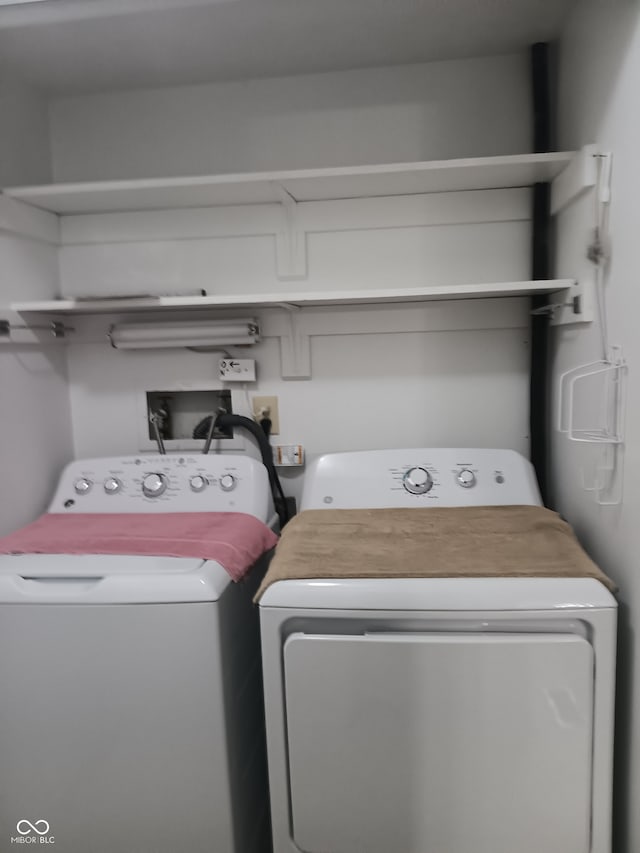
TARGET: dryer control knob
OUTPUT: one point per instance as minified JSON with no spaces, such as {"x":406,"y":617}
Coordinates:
{"x":154,"y":485}
{"x":417,"y":481}
{"x":466,"y":478}
{"x":112,"y":485}
{"x":227,"y":482}
{"x":197,"y":483}
{"x":82,"y":486}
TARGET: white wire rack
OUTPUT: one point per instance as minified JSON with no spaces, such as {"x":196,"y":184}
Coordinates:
{"x":603,"y":379}
{"x":600,"y":388}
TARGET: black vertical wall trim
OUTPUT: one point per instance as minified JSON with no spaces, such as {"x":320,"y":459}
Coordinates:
{"x":541,"y":97}
{"x":539,"y":403}
{"x":539,"y":391}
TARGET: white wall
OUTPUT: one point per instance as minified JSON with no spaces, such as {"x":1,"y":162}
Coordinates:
{"x":24,"y":140}
{"x":599,"y":74}
{"x":36,"y":430}
{"x":35,"y":422}
{"x":354,"y":244}
{"x":437,"y":110}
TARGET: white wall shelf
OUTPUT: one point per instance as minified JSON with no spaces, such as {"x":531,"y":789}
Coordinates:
{"x":77,"y":208}
{"x":295,"y":345}
{"x":66,"y":307}
{"x":348,"y":182}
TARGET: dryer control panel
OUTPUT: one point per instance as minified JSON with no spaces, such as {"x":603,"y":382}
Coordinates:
{"x":372,"y":479}
{"x":170,"y":483}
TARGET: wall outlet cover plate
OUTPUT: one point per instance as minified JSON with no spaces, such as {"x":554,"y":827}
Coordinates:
{"x":270,"y":405}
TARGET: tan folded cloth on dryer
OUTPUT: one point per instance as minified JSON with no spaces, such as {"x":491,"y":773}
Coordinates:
{"x":452,"y":542}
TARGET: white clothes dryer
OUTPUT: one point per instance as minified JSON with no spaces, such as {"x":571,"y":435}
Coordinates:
{"x":437,"y":715}
{"x":131,"y":713}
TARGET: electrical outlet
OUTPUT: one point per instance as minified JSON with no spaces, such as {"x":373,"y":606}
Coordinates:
{"x":267,"y":407}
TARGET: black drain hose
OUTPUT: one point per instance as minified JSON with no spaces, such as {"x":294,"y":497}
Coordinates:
{"x":224,"y":420}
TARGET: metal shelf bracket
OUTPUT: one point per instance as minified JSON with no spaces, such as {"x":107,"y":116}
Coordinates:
{"x":55,"y":327}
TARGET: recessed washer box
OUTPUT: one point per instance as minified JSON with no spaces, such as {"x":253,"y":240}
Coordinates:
{"x":179,"y":410}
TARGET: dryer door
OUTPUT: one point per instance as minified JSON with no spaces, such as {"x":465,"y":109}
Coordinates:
{"x":439,"y":743}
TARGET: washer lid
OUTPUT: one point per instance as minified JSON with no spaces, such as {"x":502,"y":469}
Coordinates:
{"x":101,"y":579}
{"x":429,"y":594}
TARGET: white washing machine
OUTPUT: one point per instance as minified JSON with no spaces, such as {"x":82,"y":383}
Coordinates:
{"x":131,"y":716}
{"x":436,"y":715}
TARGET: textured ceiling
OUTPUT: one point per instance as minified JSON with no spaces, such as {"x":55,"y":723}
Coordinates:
{"x":73,"y":46}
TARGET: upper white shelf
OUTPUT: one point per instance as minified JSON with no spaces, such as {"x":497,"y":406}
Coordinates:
{"x":345,"y":182}
{"x":298,"y":300}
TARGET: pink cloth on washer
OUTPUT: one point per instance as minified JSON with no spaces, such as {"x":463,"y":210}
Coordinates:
{"x":233,"y":539}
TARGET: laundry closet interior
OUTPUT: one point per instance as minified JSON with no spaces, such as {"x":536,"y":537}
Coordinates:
{"x":423,"y":212}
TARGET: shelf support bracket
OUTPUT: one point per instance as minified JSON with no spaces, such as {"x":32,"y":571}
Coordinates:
{"x":291,"y":239}
{"x":576,"y":179}
{"x":295,"y":346}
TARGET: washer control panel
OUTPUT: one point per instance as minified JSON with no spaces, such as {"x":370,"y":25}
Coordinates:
{"x":419,"y":477}
{"x":170,"y":483}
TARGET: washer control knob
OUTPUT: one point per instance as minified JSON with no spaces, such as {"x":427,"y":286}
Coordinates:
{"x":112,"y":485}
{"x":154,"y":485}
{"x":417,"y":481}
{"x":197,"y":483}
{"x":466,"y":478}
{"x":227,"y":482}
{"x":82,"y":486}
